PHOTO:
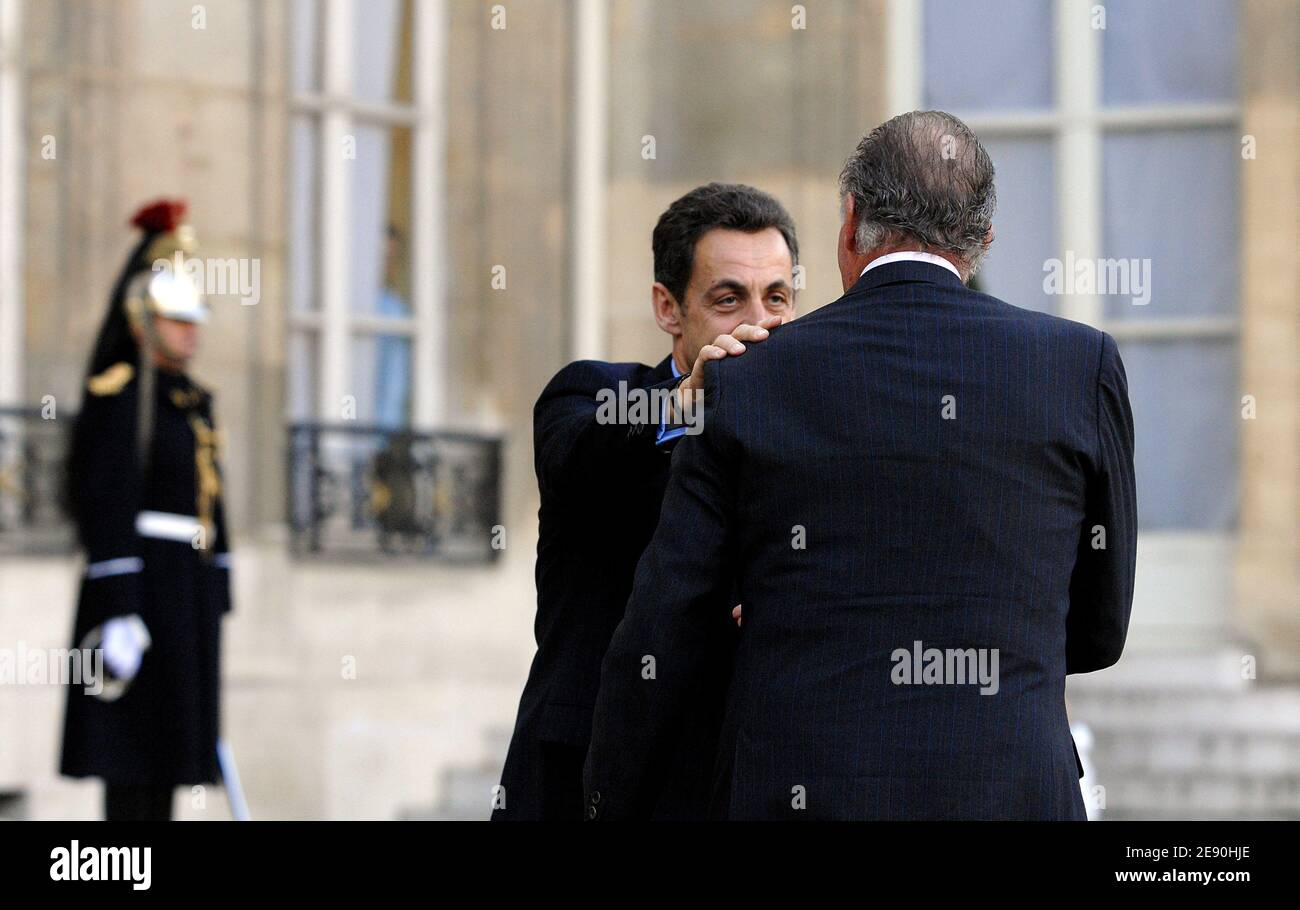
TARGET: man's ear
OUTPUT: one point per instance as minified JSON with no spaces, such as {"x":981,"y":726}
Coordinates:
{"x":848,"y":228}
{"x":667,"y":313}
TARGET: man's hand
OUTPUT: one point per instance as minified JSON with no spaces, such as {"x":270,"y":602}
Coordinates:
{"x":735,"y":614}
{"x":125,"y":639}
{"x":731,"y":344}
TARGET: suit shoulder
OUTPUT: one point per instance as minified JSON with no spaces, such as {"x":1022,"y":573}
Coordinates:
{"x":810,"y":331}
{"x":1077,"y":334}
{"x":1090,"y":340}
{"x":587,"y":377}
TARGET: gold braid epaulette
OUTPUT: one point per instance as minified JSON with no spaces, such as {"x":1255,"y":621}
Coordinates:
{"x":112,"y":380}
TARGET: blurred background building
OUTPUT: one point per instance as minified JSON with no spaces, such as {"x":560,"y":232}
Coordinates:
{"x":449,"y":199}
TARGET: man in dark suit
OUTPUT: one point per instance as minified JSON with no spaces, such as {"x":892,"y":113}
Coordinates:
{"x":724,"y":257}
{"x":926,"y":497}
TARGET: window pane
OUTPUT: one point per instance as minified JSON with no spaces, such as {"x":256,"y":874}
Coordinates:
{"x":1024,"y":226}
{"x":379,"y":227}
{"x":304,"y":205}
{"x":381,"y":379}
{"x":381,"y":50}
{"x":307,"y":23}
{"x":1170,"y":201}
{"x":987,"y":54}
{"x":1162,"y":51}
{"x":1187,"y":413}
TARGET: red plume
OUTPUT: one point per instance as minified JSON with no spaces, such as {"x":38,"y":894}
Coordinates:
{"x":161,"y":216}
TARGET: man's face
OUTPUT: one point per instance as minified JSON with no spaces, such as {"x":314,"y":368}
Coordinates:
{"x":179,"y":340}
{"x":736,"y":278}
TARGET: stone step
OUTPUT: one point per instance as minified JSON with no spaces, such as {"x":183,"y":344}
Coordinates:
{"x":1176,"y":738}
{"x":468,"y":790}
{"x":1185,"y":737}
{"x":1201,"y":794}
{"x":1271,"y":710}
{"x":496,"y":741}
{"x":1257,"y":755}
{"x":1216,"y":671}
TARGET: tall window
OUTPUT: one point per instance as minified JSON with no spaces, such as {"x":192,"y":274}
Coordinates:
{"x":364,"y":194}
{"x":1116,"y":138}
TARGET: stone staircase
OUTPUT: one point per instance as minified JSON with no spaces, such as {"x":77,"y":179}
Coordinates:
{"x":1174,"y":737}
{"x":1186,"y":737}
{"x":466,"y":790}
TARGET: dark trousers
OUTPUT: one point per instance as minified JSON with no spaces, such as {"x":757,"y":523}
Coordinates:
{"x":137,"y":802}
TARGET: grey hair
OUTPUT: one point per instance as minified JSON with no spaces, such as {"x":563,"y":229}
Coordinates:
{"x":922,"y":177}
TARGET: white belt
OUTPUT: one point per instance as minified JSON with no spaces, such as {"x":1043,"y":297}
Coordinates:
{"x":123,"y":565}
{"x":168,"y":526}
{"x":164,"y":525}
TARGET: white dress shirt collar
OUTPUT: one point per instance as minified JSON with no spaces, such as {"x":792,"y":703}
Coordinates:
{"x":910,"y":256}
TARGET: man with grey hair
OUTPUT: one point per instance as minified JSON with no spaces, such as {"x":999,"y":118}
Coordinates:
{"x":927,"y":498}
{"x":921,"y":183}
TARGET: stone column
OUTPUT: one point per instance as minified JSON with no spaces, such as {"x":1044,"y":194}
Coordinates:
{"x":1268,"y":561}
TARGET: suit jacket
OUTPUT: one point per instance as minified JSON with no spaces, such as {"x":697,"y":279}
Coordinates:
{"x":915,"y":466}
{"x":601,"y":487}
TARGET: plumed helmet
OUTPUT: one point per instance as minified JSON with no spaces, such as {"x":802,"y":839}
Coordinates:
{"x":162,"y":283}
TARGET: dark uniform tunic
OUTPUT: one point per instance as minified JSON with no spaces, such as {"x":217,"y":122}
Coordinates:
{"x":163,"y":730}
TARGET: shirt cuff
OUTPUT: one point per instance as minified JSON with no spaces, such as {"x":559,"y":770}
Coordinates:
{"x":668,"y":432}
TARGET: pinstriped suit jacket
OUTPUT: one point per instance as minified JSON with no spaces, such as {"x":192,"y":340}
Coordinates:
{"x":915,"y":466}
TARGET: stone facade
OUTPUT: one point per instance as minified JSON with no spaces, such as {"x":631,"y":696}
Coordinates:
{"x":141,"y":104}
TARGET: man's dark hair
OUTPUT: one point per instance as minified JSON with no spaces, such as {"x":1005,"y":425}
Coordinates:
{"x":733,"y":206}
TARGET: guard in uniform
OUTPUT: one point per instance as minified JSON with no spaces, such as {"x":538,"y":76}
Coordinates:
{"x":146,"y":496}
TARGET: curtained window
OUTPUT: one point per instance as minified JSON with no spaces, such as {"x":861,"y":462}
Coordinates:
{"x":1118,"y":140}
{"x":352,"y":193}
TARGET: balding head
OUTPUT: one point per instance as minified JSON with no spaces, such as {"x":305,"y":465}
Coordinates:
{"x":920,"y":181}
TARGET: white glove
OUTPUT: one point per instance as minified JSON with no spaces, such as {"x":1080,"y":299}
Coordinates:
{"x":125,"y":640}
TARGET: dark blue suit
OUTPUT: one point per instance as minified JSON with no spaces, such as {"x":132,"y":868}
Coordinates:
{"x":601,"y":488}
{"x":915,"y":462}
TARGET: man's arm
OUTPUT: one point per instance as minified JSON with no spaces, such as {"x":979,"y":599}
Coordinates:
{"x":570,"y":438}
{"x":657,"y":658}
{"x":1101,"y":588}
{"x":572,"y":434}
{"x":107,"y":489}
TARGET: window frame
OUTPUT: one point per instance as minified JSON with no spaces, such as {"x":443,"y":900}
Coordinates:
{"x":1185,"y":576}
{"x":335,"y":113}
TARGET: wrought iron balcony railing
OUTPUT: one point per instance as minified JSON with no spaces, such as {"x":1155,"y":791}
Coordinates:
{"x":33,"y":508}
{"x":369,"y":492}
{"x":354,"y":492}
